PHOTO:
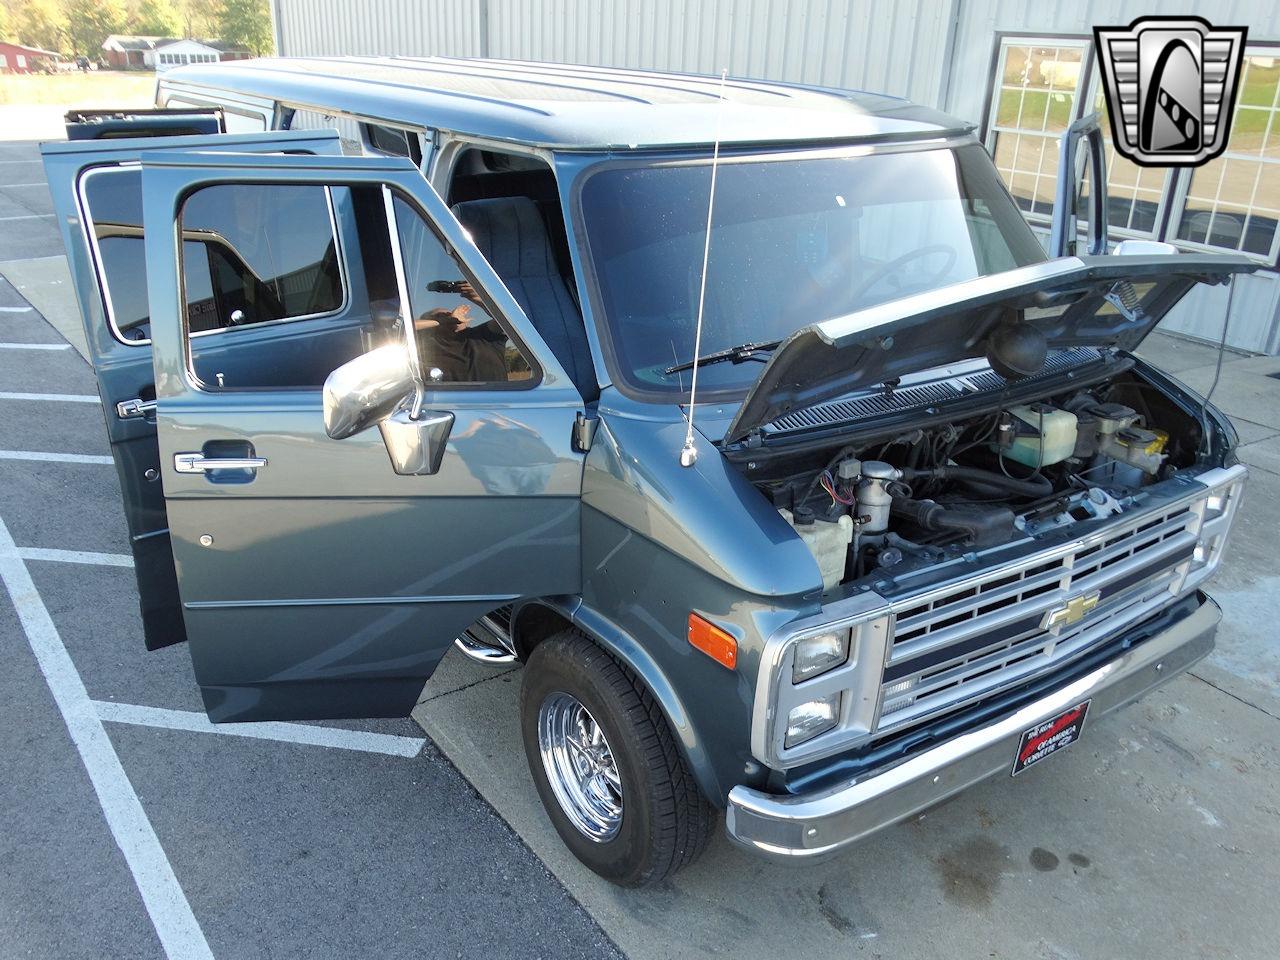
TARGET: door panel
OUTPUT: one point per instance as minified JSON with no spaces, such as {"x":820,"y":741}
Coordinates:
{"x":319,"y":582}
{"x":124,"y":369}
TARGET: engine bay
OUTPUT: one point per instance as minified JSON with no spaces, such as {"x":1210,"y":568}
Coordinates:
{"x":877,"y":502}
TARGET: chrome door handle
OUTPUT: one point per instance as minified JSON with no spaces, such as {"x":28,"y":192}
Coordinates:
{"x":199,"y":463}
{"x":129,"y":409}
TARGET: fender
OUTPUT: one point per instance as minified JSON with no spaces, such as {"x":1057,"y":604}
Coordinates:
{"x":610,"y":636}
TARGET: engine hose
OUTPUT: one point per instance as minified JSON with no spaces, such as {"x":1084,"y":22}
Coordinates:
{"x":987,"y":478}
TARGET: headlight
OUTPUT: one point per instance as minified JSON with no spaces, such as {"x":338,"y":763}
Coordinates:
{"x":812,"y":718}
{"x":819,"y":653}
{"x":818,"y":686}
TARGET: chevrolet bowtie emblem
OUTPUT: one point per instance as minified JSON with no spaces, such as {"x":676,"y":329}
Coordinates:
{"x":1073,"y":611}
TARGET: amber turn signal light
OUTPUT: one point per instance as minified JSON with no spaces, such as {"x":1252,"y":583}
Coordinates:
{"x":717,"y":644}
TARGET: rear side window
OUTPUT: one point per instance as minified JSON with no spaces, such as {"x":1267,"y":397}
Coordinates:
{"x":392,"y":141}
{"x":251,"y":253}
{"x":111,"y":199}
{"x":259,"y":253}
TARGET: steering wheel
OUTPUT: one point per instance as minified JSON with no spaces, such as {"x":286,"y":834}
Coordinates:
{"x":897,"y":263}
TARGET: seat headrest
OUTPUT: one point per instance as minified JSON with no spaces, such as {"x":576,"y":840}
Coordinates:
{"x":510,"y":233}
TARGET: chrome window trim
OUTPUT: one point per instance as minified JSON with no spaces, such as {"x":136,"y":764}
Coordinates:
{"x":104,"y":289}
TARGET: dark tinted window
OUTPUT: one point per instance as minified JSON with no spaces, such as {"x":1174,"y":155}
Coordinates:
{"x":399,"y":143}
{"x":795,"y":240}
{"x":254,"y":253}
{"x":113,"y":201}
{"x":251,"y":253}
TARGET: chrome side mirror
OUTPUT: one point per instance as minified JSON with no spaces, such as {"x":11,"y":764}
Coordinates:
{"x":366,"y":390}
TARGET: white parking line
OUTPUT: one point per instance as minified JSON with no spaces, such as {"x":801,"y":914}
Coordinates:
{"x":386,"y":743}
{"x":16,"y":309}
{"x":52,"y":457}
{"x":76,"y":556}
{"x":33,"y":183}
{"x":59,"y":397}
{"x":35,"y":346}
{"x":176,"y":926}
{"x":34,"y":216}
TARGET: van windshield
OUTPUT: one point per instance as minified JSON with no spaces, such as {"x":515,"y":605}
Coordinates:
{"x":795,"y":240}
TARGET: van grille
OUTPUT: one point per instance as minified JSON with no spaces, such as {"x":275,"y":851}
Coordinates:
{"x":965,"y":640}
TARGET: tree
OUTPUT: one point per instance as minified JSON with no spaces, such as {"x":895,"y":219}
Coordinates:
{"x":199,"y":18}
{"x":6,"y":24}
{"x":157,"y":18}
{"x":92,"y":21}
{"x":41,"y":23}
{"x":246,"y":23}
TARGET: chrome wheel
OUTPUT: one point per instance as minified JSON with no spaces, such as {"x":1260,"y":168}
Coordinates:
{"x":580,"y":767}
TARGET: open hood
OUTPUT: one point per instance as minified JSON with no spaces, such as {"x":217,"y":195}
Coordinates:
{"x":1096,"y":301}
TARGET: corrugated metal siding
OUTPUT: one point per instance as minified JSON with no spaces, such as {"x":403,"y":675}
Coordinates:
{"x":313,"y":28}
{"x":890,"y":46}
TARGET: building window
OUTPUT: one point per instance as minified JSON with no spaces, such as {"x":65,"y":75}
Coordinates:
{"x":1036,"y":100}
{"x":1231,"y":203}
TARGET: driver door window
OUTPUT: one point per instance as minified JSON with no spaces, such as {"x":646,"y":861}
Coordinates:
{"x":459,"y":339}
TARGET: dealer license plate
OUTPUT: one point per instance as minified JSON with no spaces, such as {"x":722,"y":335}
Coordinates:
{"x":1050,"y":736}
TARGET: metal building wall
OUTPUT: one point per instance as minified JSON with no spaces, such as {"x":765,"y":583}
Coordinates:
{"x":313,"y":28}
{"x":891,"y":46}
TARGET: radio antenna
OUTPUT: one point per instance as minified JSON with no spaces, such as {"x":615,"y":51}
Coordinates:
{"x":689,"y":453}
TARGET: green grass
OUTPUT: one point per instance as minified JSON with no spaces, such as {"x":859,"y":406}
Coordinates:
{"x":97,"y":89}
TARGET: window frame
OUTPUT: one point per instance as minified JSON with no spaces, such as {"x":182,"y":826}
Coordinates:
{"x":1003,"y":41}
{"x":1271,"y":259}
{"x":87,"y":225}
{"x":1177,"y":180}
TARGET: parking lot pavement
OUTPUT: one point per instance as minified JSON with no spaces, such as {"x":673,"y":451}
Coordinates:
{"x":128,"y":828}
{"x":1156,"y":836}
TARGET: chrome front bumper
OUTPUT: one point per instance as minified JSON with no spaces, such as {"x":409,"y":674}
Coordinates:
{"x":811,"y":826}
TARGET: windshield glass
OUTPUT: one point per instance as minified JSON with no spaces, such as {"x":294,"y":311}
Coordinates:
{"x":795,"y":240}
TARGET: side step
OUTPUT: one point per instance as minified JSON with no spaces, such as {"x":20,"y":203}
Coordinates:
{"x":488,"y":640}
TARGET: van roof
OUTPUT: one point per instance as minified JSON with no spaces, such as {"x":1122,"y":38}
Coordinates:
{"x":570,"y":106}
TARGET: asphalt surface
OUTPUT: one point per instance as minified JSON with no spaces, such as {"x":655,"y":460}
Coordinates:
{"x":278,"y":849}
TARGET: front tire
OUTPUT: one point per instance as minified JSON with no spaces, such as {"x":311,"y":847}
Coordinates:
{"x":613,"y":782}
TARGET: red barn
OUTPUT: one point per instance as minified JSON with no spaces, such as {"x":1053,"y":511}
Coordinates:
{"x":19,"y":59}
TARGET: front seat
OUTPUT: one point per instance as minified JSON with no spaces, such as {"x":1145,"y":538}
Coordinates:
{"x":510,"y":233}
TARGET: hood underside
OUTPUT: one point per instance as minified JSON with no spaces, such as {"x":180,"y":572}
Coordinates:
{"x":1101,"y":301}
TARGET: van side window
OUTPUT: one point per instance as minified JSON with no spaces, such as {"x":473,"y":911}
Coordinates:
{"x":111,"y":202}
{"x":458,"y":338}
{"x":258,"y":253}
{"x":393,"y":142}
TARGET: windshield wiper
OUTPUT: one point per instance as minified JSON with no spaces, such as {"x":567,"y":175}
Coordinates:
{"x":739,"y":354}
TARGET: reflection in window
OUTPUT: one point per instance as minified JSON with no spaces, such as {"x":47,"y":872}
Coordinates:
{"x":263,"y":252}
{"x":459,"y":340}
{"x":1036,"y":102}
